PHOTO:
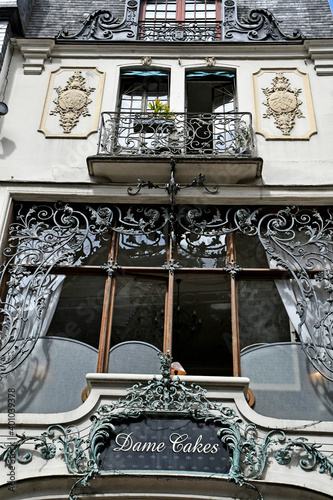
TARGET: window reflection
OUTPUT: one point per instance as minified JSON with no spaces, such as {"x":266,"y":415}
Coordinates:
{"x":196,"y":250}
{"x":142,"y":250}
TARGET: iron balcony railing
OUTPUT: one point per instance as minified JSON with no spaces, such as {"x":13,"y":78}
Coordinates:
{"x":149,"y":134}
{"x":180,"y":31}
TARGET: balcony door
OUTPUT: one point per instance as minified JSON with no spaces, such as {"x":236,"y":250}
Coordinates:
{"x":180,"y":20}
{"x":139,"y":88}
{"x":135,"y":128}
{"x":210,"y":98}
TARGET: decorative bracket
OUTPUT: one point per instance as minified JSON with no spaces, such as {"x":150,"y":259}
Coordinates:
{"x":172,"y":187}
{"x":102,"y":26}
{"x":35,"y":53}
{"x":260,"y":25}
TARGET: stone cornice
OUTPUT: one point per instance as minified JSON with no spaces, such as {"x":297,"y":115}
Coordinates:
{"x":36,"y":51}
{"x":321,"y":53}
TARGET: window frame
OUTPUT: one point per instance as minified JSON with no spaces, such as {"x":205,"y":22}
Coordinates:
{"x":170,"y":272}
{"x":181,"y":12}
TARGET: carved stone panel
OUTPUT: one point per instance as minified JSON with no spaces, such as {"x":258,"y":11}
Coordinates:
{"x":72,"y":104}
{"x":283,"y":104}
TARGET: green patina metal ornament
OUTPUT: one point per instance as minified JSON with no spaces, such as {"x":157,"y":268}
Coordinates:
{"x":168,"y":396}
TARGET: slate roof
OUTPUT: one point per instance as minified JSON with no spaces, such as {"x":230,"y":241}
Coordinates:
{"x":312,"y":17}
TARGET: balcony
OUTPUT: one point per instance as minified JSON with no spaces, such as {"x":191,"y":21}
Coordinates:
{"x":218,"y":145}
{"x":180,"y":31}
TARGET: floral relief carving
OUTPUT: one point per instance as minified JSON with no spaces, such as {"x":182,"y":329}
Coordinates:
{"x":72,"y":101}
{"x":282,"y":103}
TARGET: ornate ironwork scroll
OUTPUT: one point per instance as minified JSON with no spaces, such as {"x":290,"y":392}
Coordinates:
{"x":260,"y":25}
{"x":168,"y":395}
{"x":43,"y":237}
{"x":172,"y":187}
{"x":180,"y":31}
{"x":205,"y":134}
{"x":282,"y":103}
{"x":72,"y":101}
{"x":101,"y":26}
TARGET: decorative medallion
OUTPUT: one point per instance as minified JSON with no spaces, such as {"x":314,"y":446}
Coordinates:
{"x":277,"y":94}
{"x":72,"y":101}
{"x":283,"y":103}
{"x":72,"y":93}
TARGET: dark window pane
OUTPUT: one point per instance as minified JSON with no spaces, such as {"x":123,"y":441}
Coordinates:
{"x":79,"y":310}
{"x":139,"y":311}
{"x":202,"y":324}
{"x":142,"y":250}
{"x":250,"y":252}
{"x":262,"y":315}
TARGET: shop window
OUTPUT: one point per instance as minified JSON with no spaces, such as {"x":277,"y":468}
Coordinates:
{"x":189,"y":280}
{"x":212,"y":285}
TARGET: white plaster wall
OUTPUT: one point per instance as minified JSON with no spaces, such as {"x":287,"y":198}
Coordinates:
{"x":29,"y":156}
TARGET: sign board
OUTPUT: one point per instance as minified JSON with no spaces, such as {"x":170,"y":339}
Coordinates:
{"x":163,"y":444}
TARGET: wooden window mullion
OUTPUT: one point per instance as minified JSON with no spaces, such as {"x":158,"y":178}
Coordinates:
{"x":108,"y":304}
{"x":180,"y":10}
{"x":231,"y":256}
{"x":168,"y":318}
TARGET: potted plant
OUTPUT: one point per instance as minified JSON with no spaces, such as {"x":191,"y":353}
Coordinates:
{"x":158,"y":119}
{"x":243,"y":139}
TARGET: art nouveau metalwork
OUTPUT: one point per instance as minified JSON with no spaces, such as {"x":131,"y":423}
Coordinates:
{"x":180,"y":31}
{"x":72,"y":101}
{"x":283,"y":103}
{"x":208,"y":134}
{"x":46,"y":239}
{"x":39,"y":240}
{"x":172,"y":187}
{"x":168,"y":395}
{"x":102,"y":26}
{"x":260,"y":25}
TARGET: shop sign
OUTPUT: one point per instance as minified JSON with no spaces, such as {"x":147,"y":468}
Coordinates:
{"x":166,"y":444}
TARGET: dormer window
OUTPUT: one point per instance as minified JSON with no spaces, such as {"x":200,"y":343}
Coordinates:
{"x":181,"y":10}
{"x":180,"y":20}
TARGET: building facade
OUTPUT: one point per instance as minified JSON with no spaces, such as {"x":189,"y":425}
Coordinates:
{"x":166,"y":240}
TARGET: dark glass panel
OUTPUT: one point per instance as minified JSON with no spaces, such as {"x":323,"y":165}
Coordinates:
{"x":262,"y":315}
{"x":139,"y":311}
{"x":202,"y":324}
{"x":250,"y":252}
{"x":79,"y":309}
